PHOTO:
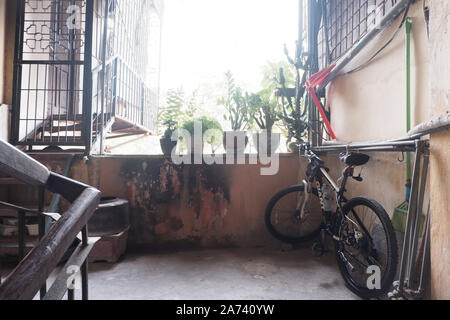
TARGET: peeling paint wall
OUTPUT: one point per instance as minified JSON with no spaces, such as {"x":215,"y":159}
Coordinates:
{"x":188,"y":205}
{"x":370,"y":105}
{"x":440,"y":149}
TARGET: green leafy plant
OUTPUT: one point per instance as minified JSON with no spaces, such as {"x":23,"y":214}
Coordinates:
{"x":177,"y":110}
{"x":263,"y":109}
{"x":208,"y":124}
{"x":293,"y":112}
{"x":235,"y":103}
{"x":169,"y":116}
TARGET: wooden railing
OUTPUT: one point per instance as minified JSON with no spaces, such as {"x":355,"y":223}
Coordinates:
{"x":31,"y":274}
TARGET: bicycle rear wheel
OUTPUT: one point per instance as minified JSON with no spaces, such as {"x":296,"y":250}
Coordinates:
{"x":367,"y":256}
{"x":283,"y":219}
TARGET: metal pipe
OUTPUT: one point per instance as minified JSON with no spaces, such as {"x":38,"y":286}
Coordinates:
{"x":300,"y":32}
{"x":377,"y":146}
{"x":426,"y":250}
{"x":41,"y":209}
{"x":416,"y":224}
{"x":392,"y":14}
{"x":21,"y":222}
{"x":404,"y":272}
{"x":84,"y":267}
{"x":408,"y":91}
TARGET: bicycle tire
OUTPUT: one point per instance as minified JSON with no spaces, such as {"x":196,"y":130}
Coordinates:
{"x":392,"y":253}
{"x":268,"y":217}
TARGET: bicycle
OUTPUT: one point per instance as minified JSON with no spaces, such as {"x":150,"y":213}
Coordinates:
{"x":360,"y":227}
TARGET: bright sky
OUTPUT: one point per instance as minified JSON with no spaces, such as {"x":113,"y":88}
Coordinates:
{"x":202,"y":39}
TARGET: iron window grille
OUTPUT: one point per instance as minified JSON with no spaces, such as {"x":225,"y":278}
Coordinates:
{"x":79,"y":64}
{"x":345,"y":22}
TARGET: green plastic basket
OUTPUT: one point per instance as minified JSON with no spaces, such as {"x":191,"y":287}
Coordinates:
{"x":400,"y":216}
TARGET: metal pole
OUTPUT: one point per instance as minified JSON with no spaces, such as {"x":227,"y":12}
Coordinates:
{"x":395,"y":145}
{"x":41,"y":209}
{"x":412,"y":211}
{"x":87,"y":78}
{"x":426,"y":251}
{"x":408,"y":91}
{"x":21,"y":222}
{"x":300,"y":31}
{"x":104,"y":90}
{"x":84,"y":267}
{"x":18,"y":57}
{"x":70,"y":294}
{"x":416,"y":224}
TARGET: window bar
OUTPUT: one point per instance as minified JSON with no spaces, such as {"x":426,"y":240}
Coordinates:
{"x":59,"y":80}
{"x":44,"y":122}
{"x":28,"y":100}
{"x":36,"y":102}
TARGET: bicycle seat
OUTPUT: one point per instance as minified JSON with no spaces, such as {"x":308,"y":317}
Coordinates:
{"x":354,"y":159}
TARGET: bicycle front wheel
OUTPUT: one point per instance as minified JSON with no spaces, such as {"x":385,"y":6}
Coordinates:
{"x":367,"y":253}
{"x":283,"y":215}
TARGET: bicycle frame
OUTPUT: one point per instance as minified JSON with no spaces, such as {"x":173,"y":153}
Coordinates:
{"x":318,"y":175}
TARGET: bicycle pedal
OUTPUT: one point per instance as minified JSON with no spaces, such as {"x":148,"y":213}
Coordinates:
{"x":318,"y":250}
{"x":347,"y":263}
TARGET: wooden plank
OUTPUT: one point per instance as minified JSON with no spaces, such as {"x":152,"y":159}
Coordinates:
{"x":21,"y":166}
{"x":66,"y":187}
{"x":29,"y":276}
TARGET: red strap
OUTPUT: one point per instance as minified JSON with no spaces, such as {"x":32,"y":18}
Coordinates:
{"x":319,"y":77}
{"x":313,"y":82}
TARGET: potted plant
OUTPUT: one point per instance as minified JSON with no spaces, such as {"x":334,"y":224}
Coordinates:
{"x":178,"y":108}
{"x":212,"y":133}
{"x":236,"y":106}
{"x":169,"y":119}
{"x":263,"y":112}
{"x":166,"y":142}
{"x":293,"y":113}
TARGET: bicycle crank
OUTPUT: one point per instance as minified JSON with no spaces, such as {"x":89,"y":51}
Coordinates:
{"x":319,"y":248}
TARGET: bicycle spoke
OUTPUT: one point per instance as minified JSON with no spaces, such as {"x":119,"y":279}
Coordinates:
{"x":355,"y":259}
{"x":361,"y":224}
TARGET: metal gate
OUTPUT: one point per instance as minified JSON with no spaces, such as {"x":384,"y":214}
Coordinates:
{"x":50,"y":72}
{"x":78,"y":65}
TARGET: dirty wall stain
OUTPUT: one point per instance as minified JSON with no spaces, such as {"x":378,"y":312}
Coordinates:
{"x":165,"y":198}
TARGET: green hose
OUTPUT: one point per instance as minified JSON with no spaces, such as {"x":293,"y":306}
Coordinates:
{"x":408,"y":102}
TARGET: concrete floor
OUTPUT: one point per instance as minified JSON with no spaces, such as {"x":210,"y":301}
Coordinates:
{"x":225,"y":274}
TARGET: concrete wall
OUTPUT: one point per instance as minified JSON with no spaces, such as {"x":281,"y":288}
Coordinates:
{"x":180,"y":206}
{"x":7,"y":32}
{"x":440,"y":149}
{"x":371,"y":105}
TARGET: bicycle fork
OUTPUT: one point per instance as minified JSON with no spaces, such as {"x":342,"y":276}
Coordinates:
{"x":305,"y":201}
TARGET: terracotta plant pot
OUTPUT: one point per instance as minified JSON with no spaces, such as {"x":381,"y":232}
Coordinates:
{"x":167,"y":145}
{"x":231,"y":144}
{"x":293,"y":147}
{"x":266,"y":147}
